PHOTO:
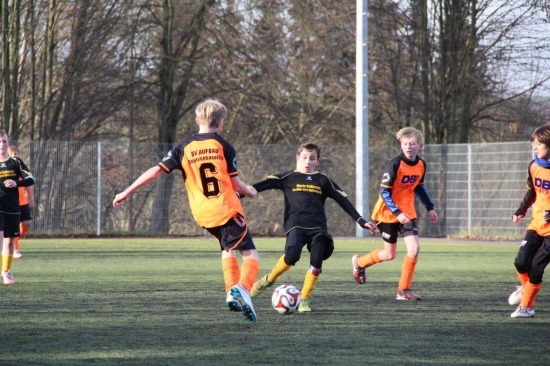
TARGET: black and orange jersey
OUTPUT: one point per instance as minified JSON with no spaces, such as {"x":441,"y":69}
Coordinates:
{"x":538,"y":196}
{"x":207,"y":162}
{"x":305,"y":196}
{"x":15,"y":169}
{"x":401,"y":181}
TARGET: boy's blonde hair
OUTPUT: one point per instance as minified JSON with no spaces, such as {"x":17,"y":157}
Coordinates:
{"x":210,"y":112}
{"x":12,"y":149}
{"x":542,"y":135}
{"x":310,"y":145}
{"x":410,"y":132}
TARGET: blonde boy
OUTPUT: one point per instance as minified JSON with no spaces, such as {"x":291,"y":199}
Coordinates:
{"x":209,"y":166}
{"x":394,"y":212}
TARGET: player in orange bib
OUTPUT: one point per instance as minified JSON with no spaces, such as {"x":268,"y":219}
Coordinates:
{"x":26,"y":203}
{"x":208,"y":164}
{"x":394,"y":213}
{"x":533,"y":254}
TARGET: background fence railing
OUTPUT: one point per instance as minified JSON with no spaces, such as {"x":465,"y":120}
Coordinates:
{"x":478,"y":185}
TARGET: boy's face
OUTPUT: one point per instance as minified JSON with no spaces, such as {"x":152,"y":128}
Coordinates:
{"x":541,"y":150}
{"x":4,"y":144}
{"x":410,"y":147}
{"x":306,"y":161}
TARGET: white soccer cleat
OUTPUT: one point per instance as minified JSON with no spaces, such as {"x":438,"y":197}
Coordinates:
{"x":17,"y":254}
{"x":515,"y":297}
{"x":232,"y":303}
{"x":8,"y":277}
{"x":523,"y":312}
{"x":242,"y":296}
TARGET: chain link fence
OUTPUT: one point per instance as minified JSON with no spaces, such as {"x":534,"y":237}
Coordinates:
{"x":475,"y":187}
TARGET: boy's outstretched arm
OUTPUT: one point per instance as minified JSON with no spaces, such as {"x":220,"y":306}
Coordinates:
{"x":241,"y":188}
{"x":148,"y":176}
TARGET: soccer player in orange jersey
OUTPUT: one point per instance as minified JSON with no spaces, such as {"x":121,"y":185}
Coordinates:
{"x":533,"y":255}
{"x":13,"y":174}
{"x":305,"y":192}
{"x":26,"y":204}
{"x":394,"y":212}
{"x":208,"y":164}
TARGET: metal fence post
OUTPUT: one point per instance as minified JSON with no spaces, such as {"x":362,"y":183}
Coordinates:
{"x":98,"y":231}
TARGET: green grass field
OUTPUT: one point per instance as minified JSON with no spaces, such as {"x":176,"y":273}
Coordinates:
{"x":162,"y":302}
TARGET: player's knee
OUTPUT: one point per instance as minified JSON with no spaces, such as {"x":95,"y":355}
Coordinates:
{"x":521,"y":266}
{"x":292,"y":258}
{"x":535,"y":275}
{"x":388,"y":256}
{"x":535,"y":278}
{"x":328,"y":252}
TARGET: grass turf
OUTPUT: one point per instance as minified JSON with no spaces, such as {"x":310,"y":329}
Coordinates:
{"x":162,"y":301}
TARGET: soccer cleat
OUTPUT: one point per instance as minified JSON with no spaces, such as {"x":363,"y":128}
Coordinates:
{"x":304,"y":306}
{"x":259,"y":286}
{"x":232,"y":303}
{"x":523,"y":312}
{"x":406,"y":294}
{"x":515,"y":297}
{"x":358,"y":272}
{"x":17,"y":254}
{"x":8,"y":277}
{"x":242,"y":296}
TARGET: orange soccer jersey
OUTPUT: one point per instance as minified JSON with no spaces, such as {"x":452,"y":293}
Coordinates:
{"x":539,"y":181}
{"x":208,"y":162}
{"x":401,"y":177}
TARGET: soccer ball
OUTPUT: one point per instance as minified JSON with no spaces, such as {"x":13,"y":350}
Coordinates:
{"x":285,"y":299}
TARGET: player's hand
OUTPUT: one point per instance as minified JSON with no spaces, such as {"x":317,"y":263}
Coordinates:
{"x":433,"y":216}
{"x":403,"y":218}
{"x":119,"y":198}
{"x":252,"y":190}
{"x":371,"y":227}
{"x":516,"y":218}
{"x":10,"y":183}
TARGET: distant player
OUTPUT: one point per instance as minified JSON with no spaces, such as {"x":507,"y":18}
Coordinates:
{"x":305,"y":223}
{"x":13,"y":173}
{"x":534,"y":251}
{"x":394,"y":213}
{"x":208,"y":164}
{"x":26,"y":204}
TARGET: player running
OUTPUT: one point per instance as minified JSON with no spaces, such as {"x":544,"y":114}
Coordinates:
{"x":394,"y":213}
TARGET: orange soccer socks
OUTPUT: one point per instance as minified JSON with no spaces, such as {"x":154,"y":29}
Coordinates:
{"x":530,"y":292}
{"x":407,"y":273}
{"x":230,"y":267}
{"x":523,"y":278}
{"x":368,"y":260}
{"x":247,"y":275}
{"x":23,"y":230}
{"x":249,"y":272}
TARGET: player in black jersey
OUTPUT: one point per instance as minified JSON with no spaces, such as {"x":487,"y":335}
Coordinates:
{"x":305,"y":223}
{"x":11,"y":170}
